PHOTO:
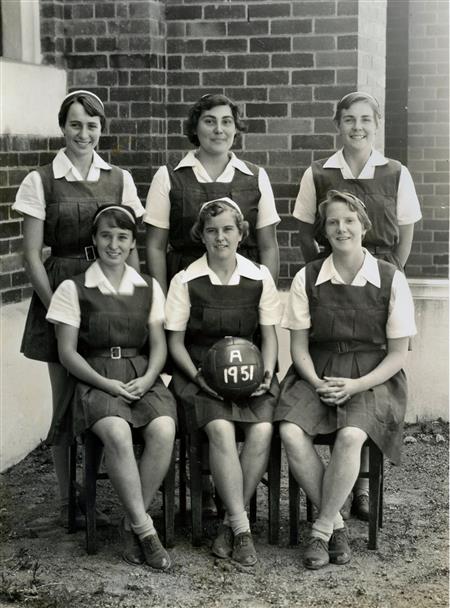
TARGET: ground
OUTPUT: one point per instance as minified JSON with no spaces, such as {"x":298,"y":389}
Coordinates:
{"x":44,"y":567}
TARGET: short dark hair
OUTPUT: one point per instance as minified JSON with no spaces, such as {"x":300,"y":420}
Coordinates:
{"x":116,"y":216}
{"x":212,"y":210}
{"x":206,"y":103}
{"x":353,"y":203}
{"x":90,"y":103}
{"x":355,"y":96}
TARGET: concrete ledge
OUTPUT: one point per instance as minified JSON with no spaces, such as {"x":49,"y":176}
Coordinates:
{"x":25,"y":399}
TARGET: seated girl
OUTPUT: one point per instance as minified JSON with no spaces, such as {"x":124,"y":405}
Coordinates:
{"x":104,"y":319}
{"x":224,"y":294}
{"x":350,"y":317}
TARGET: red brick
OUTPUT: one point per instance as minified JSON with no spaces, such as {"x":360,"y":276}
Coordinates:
{"x":312,"y":109}
{"x":270,"y":10}
{"x":247,"y":93}
{"x":226,"y":45}
{"x":340,"y":25}
{"x":291,"y":26}
{"x":224,"y":12}
{"x":183,"y":47}
{"x":312,"y":142}
{"x":292,"y":60}
{"x":227,"y":78}
{"x":314,"y":8}
{"x":205,"y":29}
{"x":183,"y":79}
{"x":84,"y":45}
{"x":269,"y":44}
{"x":104,"y":10}
{"x":205,"y":62}
{"x":290,"y":93}
{"x":180,"y":12}
{"x":266,"y":77}
{"x":248,"y":28}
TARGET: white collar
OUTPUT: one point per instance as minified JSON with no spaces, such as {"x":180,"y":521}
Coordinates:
{"x":62,"y":165}
{"x":369,"y":271}
{"x":191,"y":160}
{"x":244,"y":268}
{"x":337,"y":161}
{"x":94,"y":277}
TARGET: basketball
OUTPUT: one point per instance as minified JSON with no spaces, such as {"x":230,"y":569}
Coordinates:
{"x":233,"y":367}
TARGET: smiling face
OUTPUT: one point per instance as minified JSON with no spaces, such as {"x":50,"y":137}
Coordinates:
{"x":343,"y":228}
{"x":357,"y":127}
{"x":81,"y":132}
{"x":221,"y":236}
{"x":216,"y":130}
{"x":113,"y":243}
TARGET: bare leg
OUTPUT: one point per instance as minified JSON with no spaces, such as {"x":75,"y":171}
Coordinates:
{"x":255,"y":455}
{"x":362,"y":483}
{"x":225,"y":465}
{"x":121,"y":465}
{"x":60,"y":383}
{"x":159,"y":436}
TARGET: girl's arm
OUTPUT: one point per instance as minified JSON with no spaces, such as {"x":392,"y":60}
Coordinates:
{"x":156,"y":250}
{"x":403,"y":248}
{"x":156,"y":358}
{"x":77,"y":365}
{"x":308,"y":245}
{"x":268,"y":249}
{"x":33,"y":241}
{"x":301,"y":358}
{"x":342,"y":389}
{"x":133,"y":259}
{"x":269,"y":351}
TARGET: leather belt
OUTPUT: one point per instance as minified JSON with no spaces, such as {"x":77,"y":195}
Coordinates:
{"x":378,"y":249}
{"x":347,"y":346}
{"x":88,"y":254}
{"x":115,"y":352}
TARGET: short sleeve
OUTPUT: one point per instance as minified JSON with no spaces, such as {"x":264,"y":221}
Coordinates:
{"x":401,"y":322}
{"x":269,"y":305}
{"x":157,"y":311}
{"x":267,"y":211}
{"x":64,"y":305}
{"x":296,"y":314}
{"x":408,"y":206}
{"x":157,"y":205}
{"x":30,"y":197}
{"x":306,"y":202}
{"x":178,"y":304}
{"x":130,"y":195}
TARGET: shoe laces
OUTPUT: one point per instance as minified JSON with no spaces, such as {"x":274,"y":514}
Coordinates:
{"x":317,"y":543}
{"x":243,"y":539}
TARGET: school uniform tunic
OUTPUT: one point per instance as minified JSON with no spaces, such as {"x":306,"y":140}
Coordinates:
{"x":58,"y":195}
{"x":207,"y":311}
{"x":385,"y":186}
{"x":177,"y":193}
{"x":113,"y":332}
{"x":348,"y":329}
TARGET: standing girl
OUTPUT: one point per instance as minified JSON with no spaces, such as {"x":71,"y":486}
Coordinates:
{"x":222,"y":293}
{"x":104,"y":318}
{"x":350,"y":317}
{"x":58,"y":201}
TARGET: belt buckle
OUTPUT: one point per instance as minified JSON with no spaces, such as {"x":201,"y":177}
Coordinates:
{"x":116,"y":352}
{"x":343,"y":348}
{"x":89,"y":252}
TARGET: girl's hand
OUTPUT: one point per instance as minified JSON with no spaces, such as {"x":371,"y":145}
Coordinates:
{"x":116,"y":388}
{"x":326,"y":392}
{"x":342,"y":389}
{"x":138,"y":387}
{"x":265,"y":384}
{"x":201,"y":382}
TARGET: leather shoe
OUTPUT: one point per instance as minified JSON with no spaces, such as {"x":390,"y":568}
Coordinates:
{"x":223,"y":543}
{"x":338,"y":547}
{"x":244,"y":551}
{"x":131,"y":550}
{"x":360,"y":506}
{"x":316,"y":554}
{"x":154,"y":553}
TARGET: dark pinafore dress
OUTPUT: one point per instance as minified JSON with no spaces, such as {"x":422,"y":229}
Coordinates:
{"x":187,"y":195}
{"x":112,"y":336}
{"x":218,"y":311}
{"x":70,"y":207}
{"x":348,"y":339}
{"x":380,"y":198}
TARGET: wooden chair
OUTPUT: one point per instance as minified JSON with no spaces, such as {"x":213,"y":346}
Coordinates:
{"x":376,"y":483}
{"x":195,"y":442}
{"x":92,"y":449}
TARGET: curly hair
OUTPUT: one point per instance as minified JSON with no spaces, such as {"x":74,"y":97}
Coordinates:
{"x":206,"y":103}
{"x":213,"y":209}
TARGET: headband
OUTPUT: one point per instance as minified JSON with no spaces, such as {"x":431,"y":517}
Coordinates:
{"x":82,"y":91}
{"x":346,"y":196}
{"x":115,"y":208}
{"x":362,"y":94}
{"x":227,"y":201}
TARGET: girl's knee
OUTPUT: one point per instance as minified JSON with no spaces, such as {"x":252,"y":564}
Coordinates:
{"x":221,"y":434}
{"x":350,"y":437}
{"x":161,"y":429}
{"x":292,"y":435}
{"x":115,"y":434}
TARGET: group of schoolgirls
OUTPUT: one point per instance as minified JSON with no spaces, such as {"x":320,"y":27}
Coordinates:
{"x":349,"y":314}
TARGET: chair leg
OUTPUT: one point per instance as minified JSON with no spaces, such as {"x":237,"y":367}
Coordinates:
{"x":294,"y":509}
{"x":195,"y":469}
{"x":91,"y":447}
{"x":169,"y":504}
{"x":72,"y":494}
{"x":182,"y":474}
{"x":380,"y":517}
{"x":274,"y":476}
{"x":375,"y":475}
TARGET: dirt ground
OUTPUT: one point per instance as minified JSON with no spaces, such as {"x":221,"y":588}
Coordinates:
{"x":44,"y":567}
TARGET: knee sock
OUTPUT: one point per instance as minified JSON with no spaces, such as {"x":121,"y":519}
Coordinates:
{"x":322,"y":529}
{"x":338,"y":522}
{"x":146,"y":528}
{"x":239,"y":523}
{"x":226,"y":520}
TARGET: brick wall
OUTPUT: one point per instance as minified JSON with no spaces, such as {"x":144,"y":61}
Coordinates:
{"x":285,"y":63}
{"x":428,"y":130}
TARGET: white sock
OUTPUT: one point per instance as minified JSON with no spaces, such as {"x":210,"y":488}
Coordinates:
{"x":322,"y":529}
{"x":239,"y":523}
{"x":146,"y":528}
{"x":338,"y":522}
{"x":226,"y":520}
